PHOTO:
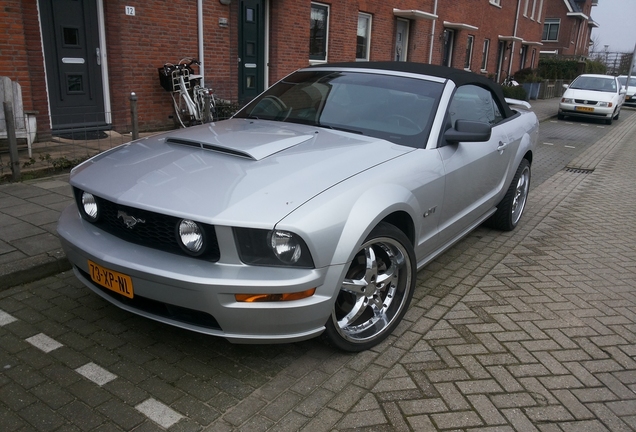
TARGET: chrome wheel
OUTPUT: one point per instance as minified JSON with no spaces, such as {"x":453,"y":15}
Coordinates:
{"x":520,"y":194}
{"x":376,"y":291}
{"x":510,"y":209}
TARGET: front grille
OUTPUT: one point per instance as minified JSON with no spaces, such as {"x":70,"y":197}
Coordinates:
{"x":160,"y":309}
{"x":585,"y":102}
{"x":154,"y":230}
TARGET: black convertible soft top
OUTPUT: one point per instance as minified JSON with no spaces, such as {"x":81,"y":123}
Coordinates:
{"x":458,"y":76}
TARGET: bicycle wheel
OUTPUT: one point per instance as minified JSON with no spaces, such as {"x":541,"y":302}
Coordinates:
{"x":201,"y":95}
{"x":182,"y":115}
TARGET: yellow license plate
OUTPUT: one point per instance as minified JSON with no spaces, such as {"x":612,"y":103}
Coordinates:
{"x":586,"y":109}
{"x":112,"y":280}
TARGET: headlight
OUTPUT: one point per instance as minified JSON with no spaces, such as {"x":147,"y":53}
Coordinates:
{"x":272,"y":248}
{"x":285,"y":246}
{"x":191,"y":237}
{"x":567,"y":100}
{"x":90,"y":207}
{"x":605,"y":104}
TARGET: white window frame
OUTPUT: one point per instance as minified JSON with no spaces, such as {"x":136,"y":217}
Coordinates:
{"x":485,"y":51}
{"x":534,"y":8}
{"x":552,"y":21}
{"x":367,"y":36}
{"x":470,"y":45}
{"x":526,"y":7}
{"x":325,"y":59}
{"x":495,"y":3}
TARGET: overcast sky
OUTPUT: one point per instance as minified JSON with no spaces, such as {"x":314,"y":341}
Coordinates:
{"x":617,"y":25}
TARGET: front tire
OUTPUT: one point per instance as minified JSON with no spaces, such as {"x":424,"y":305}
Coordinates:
{"x":375,"y":293}
{"x":511,"y":207}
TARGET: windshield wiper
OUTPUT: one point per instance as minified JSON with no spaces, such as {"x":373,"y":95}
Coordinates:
{"x":340,"y":128}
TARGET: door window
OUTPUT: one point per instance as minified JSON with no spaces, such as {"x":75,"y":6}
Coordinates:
{"x":471,"y":102}
{"x":363,"y":40}
{"x":318,"y":32}
{"x":449,"y":38}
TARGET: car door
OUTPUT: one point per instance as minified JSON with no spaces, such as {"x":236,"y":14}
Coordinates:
{"x":475,"y":172}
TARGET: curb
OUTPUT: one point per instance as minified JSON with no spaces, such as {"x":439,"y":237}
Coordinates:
{"x":33,"y":268}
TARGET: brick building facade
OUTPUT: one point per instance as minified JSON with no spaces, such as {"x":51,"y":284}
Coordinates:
{"x":568,"y":27}
{"x":99,"y":51}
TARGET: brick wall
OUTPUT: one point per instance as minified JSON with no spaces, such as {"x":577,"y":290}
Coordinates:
{"x":14,"y":60}
{"x":167,"y":31}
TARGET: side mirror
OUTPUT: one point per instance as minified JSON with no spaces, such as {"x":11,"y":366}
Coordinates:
{"x":565,"y":86}
{"x":468,"y":131}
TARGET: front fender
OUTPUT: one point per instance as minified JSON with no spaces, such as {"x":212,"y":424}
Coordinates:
{"x":335,"y":223}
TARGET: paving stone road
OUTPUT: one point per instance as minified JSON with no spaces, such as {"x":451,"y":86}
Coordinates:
{"x":532,"y":330}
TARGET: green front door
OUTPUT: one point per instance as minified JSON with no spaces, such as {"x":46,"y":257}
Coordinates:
{"x":72,"y":55}
{"x":251,"y":49}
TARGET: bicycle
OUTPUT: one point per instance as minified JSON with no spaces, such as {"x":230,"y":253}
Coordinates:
{"x":509,"y":81}
{"x":192,"y":103}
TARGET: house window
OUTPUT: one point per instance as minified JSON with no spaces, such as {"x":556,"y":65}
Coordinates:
{"x":551,"y":29}
{"x":318,"y":32}
{"x":484,"y":55}
{"x":496,"y":2}
{"x":469,"y":51}
{"x":363,"y":41}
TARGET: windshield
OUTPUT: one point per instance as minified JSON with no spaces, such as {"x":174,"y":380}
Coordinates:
{"x":397,"y":109}
{"x":623,"y":81}
{"x":595,"y":83}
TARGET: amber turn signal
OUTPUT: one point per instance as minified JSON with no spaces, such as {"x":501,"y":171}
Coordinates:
{"x":253,"y":298}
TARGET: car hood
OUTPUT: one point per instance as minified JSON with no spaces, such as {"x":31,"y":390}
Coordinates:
{"x":592,"y":95}
{"x":235,"y":172}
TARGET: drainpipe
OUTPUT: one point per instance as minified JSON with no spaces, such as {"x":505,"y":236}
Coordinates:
{"x":430,"y":49}
{"x":201,"y":57}
{"x":514,"y":34}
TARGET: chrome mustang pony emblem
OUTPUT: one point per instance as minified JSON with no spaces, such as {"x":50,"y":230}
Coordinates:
{"x":129,"y":221}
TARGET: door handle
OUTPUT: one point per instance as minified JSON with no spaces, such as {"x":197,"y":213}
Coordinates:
{"x":502,"y":146}
{"x":98,"y":54}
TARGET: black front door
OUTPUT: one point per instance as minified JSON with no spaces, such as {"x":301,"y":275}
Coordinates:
{"x":73,"y":63}
{"x":251,"y":49}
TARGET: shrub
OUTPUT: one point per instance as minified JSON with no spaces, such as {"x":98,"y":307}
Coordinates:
{"x":515,"y":92}
{"x":225,"y":109}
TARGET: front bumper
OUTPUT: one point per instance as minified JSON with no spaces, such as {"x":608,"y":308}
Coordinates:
{"x":586,"y":111}
{"x":199,"y":295}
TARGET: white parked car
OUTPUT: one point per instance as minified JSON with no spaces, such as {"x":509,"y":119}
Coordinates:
{"x":630,"y":95}
{"x":592,"y":96}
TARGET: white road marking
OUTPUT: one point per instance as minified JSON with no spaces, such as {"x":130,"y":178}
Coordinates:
{"x":159,"y":413}
{"x":95,"y":373}
{"x":44,"y":342}
{"x":5,"y":318}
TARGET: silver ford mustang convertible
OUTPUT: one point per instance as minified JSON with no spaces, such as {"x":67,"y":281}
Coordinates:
{"x":310,"y":211}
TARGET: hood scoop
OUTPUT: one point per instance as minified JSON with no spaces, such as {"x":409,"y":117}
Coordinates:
{"x":254,"y":145}
{"x":211,"y":147}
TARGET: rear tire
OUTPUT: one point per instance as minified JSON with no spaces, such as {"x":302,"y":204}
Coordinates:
{"x":510,"y":209}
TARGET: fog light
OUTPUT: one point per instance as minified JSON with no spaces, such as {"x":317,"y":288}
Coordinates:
{"x":191,"y":236}
{"x":89,"y":205}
